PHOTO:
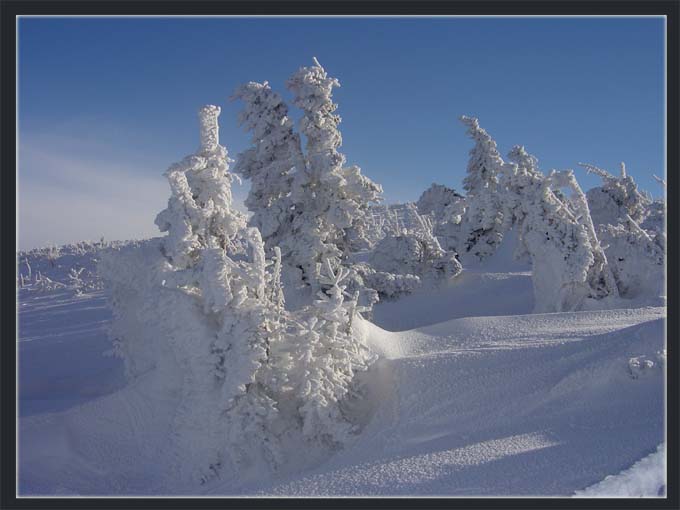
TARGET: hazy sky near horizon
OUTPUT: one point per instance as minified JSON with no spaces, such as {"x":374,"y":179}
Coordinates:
{"x":107,"y":104}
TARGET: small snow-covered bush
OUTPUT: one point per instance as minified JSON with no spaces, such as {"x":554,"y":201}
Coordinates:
{"x":435,"y":200}
{"x":44,"y":283}
{"x":390,"y":285}
{"x":70,"y":266}
{"x":400,"y":261}
{"x":637,"y":261}
{"x":617,"y":198}
{"x":321,"y":358}
{"x":631,"y":228}
{"x":412,"y":254}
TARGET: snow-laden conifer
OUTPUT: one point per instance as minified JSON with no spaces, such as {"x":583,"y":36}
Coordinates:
{"x":568,"y":263}
{"x":271,"y":162}
{"x":331,"y":201}
{"x":630,"y":226}
{"x":483,"y":220}
{"x":435,"y":199}
{"x":617,"y":198}
{"x":326,"y":354}
{"x":202,"y":299}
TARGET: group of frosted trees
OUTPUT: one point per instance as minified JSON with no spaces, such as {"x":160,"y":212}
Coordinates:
{"x":316,"y":209}
{"x":204,"y":306}
{"x":583,"y":248}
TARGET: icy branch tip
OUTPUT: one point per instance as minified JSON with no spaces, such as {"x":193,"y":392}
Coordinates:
{"x":469,"y":121}
{"x":210,"y":137}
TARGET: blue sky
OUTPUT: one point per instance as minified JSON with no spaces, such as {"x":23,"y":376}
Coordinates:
{"x":107,"y":104}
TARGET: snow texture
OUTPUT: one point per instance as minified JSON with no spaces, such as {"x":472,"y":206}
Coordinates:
{"x":491,"y":405}
{"x":644,"y":479}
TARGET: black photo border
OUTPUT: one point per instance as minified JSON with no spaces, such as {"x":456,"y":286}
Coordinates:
{"x":10,"y":9}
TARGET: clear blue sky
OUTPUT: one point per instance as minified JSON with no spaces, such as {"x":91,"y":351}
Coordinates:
{"x":106,"y":104}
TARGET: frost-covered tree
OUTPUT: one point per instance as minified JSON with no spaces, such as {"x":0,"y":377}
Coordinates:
{"x":323,"y":357}
{"x":483,"y":218}
{"x":556,"y":232}
{"x":630,"y":226}
{"x":272,"y":161}
{"x":195,"y":305}
{"x":435,"y":199}
{"x":636,"y":258}
{"x":617,"y":198}
{"x":330,"y":200}
{"x":309,"y":204}
{"x":202,"y":310}
{"x":199,"y":213}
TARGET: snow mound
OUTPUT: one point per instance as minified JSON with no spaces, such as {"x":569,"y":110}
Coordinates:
{"x":535,"y":405}
{"x":646,"y":478}
{"x":471,"y":293}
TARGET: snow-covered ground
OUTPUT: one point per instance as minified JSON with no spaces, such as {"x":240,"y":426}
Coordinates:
{"x":646,"y":478}
{"x":472,"y":396}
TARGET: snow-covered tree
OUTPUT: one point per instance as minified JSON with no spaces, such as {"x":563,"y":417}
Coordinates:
{"x":483,"y":218}
{"x":195,"y":305}
{"x":630,"y":227}
{"x":199,"y":212}
{"x":556,"y":232}
{"x":272,"y":161}
{"x":324,"y":355}
{"x":617,"y":198}
{"x":203,"y":310}
{"x":330,"y":200}
{"x":435,"y":199}
{"x":309,"y":204}
{"x":636,"y":258}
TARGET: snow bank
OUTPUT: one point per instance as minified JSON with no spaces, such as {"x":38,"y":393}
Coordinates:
{"x":644,"y":479}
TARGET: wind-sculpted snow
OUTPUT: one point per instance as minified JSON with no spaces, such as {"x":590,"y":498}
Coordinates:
{"x":498,"y":405}
{"x":534,"y":405}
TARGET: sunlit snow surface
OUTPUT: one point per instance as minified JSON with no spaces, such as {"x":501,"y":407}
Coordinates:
{"x":481,"y":399}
